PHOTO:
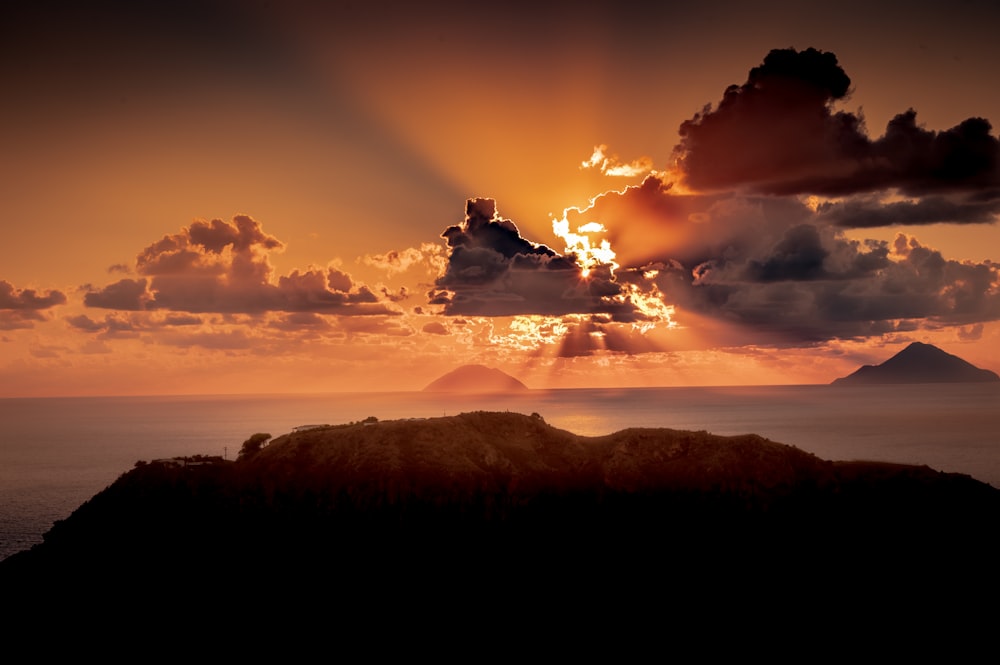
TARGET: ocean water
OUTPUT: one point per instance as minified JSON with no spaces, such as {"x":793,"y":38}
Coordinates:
{"x":56,"y":453}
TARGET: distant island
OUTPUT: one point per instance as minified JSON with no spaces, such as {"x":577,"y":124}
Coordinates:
{"x":919,"y":363}
{"x":476,"y":379}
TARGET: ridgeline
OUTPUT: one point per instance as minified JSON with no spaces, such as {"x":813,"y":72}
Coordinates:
{"x":493,"y":499}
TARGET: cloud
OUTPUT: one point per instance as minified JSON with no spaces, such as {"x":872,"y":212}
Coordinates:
{"x":612,"y":166}
{"x":28,"y":299}
{"x":85,"y":323}
{"x":21,"y":308}
{"x":782,"y":271}
{"x":46,"y":351}
{"x":299,"y":321}
{"x":118,"y":322}
{"x":402,"y":293}
{"x":435,"y":328}
{"x":429,"y":255}
{"x":651,"y":222}
{"x":493,"y":271}
{"x":182,"y":320}
{"x":125,"y":294}
{"x":224,"y":267}
{"x":779,"y":133}
{"x":812,"y":285}
{"x":95,"y":347}
{"x":873,"y":211}
{"x":114,"y":326}
{"x":19,"y":319}
{"x":972,"y":333}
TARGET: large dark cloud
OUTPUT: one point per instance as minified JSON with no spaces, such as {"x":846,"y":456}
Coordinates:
{"x":743,"y":245}
{"x":870,"y":211}
{"x":223,"y":267}
{"x":493,"y":271}
{"x":783,"y":272}
{"x":779,"y":133}
{"x":812,"y":285}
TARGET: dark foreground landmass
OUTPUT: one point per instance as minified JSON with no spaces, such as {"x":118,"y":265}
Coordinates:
{"x":489,"y":508}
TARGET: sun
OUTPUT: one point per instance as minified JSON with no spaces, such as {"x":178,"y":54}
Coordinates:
{"x":587,"y":253}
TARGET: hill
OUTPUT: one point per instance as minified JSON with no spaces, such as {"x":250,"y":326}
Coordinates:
{"x":482,"y":507}
{"x":919,"y":363}
{"x":476,"y":379}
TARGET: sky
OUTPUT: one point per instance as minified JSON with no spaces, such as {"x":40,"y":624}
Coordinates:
{"x":256,"y":197}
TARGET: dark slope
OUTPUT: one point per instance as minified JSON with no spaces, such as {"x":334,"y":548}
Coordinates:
{"x":487,"y":506}
{"x":919,"y":363}
{"x":476,"y":379}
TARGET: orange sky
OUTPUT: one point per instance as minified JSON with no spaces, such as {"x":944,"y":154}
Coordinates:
{"x":784,"y":235}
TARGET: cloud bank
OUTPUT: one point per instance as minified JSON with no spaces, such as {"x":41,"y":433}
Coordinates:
{"x":223,"y":267}
{"x":773,"y":176}
{"x":747,"y":233}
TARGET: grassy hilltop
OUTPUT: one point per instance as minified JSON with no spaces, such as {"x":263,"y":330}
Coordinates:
{"x":498,"y":499}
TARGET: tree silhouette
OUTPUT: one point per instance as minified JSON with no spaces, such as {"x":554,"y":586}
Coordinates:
{"x":253,"y":445}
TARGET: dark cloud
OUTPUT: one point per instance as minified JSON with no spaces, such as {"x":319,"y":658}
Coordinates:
{"x":965,"y":157}
{"x":493,"y":271}
{"x":28,"y":299}
{"x":972,"y":333}
{"x":778,"y":133}
{"x":85,"y":323}
{"x":869,"y":212}
{"x":21,"y":308}
{"x":19,"y":319}
{"x":182,"y":320}
{"x":223,"y":267}
{"x":114,"y":326}
{"x":813,"y":285}
{"x":125,"y":294}
{"x":435,"y":328}
{"x":799,"y":255}
{"x":785,"y":273}
{"x":402,"y":293}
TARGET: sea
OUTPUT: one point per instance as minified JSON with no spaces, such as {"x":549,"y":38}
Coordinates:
{"x":56,"y":453}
